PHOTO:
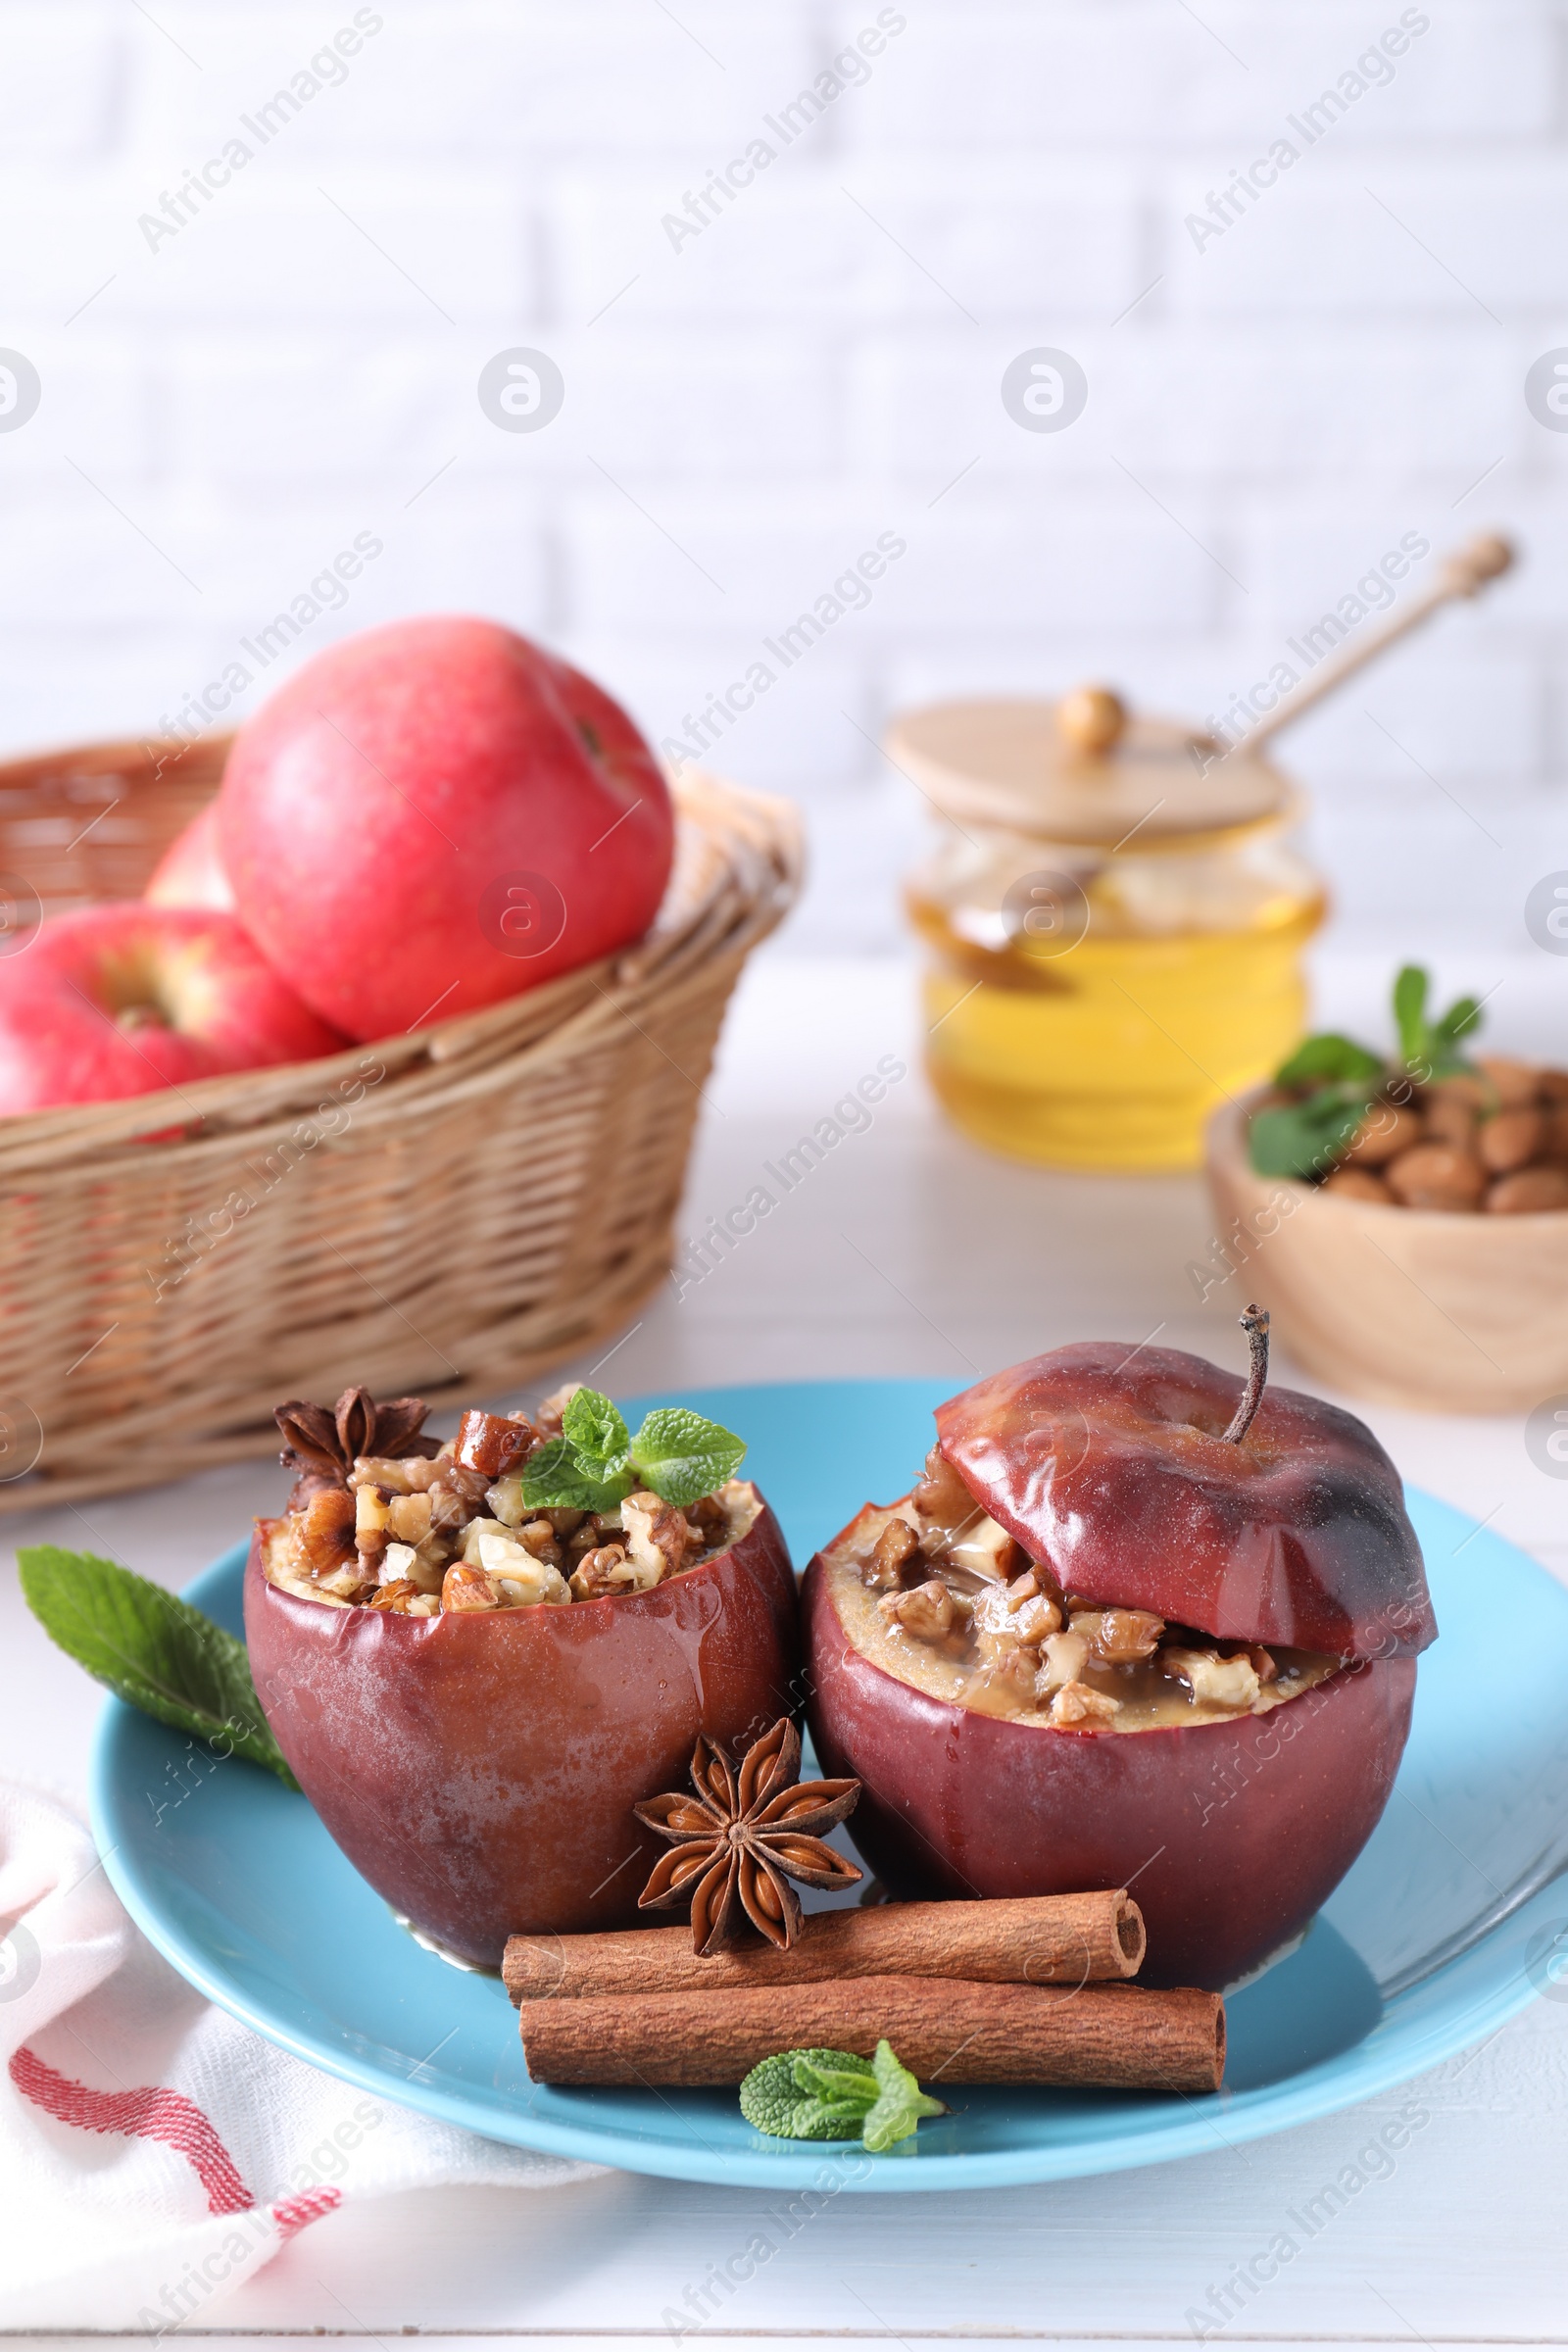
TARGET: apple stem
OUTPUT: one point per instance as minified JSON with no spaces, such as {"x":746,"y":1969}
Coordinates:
{"x":1255,"y":1325}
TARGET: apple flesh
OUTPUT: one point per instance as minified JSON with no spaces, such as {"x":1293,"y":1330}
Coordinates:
{"x":438,"y":815}
{"x":124,"y":999}
{"x":190,"y":871}
{"x":1232,"y":1834}
{"x":479,"y":1769}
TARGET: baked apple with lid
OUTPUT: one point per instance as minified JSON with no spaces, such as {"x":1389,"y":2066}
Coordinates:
{"x":1138,"y":1621}
{"x":479,"y":1656}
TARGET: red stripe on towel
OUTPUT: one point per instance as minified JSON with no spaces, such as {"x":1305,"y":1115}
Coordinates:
{"x":155,"y":2114}
{"x":294,"y":2213}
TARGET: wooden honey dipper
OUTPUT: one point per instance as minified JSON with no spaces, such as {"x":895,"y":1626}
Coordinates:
{"x":1092,"y":717}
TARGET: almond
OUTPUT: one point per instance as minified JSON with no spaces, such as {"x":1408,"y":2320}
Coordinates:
{"x":1436,"y":1176}
{"x":1516,"y":1085}
{"x":1384,"y":1134}
{"x":1510,"y":1140}
{"x":1358,"y":1184}
{"x":1529,"y":1192}
{"x":1451,"y":1107}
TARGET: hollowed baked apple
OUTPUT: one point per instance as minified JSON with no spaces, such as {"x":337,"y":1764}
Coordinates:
{"x":1132,"y":1628}
{"x":473,"y":1694}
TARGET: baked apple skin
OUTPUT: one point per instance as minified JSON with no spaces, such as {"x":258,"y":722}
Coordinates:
{"x":1109,"y":1464}
{"x":479,"y":1768}
{"x":1232,"y":1834}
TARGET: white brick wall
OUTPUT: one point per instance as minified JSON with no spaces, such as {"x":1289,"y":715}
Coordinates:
{"x":749,"y":406}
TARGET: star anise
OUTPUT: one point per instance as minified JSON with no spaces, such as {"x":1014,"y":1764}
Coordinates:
{"x":322,"y":1444}
{"x":741,"y":1839}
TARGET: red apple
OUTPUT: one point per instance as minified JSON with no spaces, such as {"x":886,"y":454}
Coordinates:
{"x":123,"y":1000}
{"x":1112,"y":1468}
{"x":190,"y":871}
{"x":438,"y":815}
{"x":1110,"y":1463}
{"x":479,"y":1769}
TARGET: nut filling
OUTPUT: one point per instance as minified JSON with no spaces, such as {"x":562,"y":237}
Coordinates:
{"x":937,"y":1593}
{"x":434,"y":1529}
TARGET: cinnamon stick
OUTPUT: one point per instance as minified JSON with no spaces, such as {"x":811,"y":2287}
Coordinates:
{"x":1040,"y":1939}
{"x":1115,"y":2037}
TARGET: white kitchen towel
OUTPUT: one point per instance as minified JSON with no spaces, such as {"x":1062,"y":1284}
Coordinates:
{"x":154,"y":2152}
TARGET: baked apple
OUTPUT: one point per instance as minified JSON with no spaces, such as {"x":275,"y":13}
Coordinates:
{"x":1137,"y":1625}
{"x":479,"y":1656}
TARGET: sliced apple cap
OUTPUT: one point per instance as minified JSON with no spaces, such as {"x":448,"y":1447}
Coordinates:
{"x":1109,"y":1464}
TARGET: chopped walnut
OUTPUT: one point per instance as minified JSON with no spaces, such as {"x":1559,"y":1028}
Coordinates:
{"x":547,"y":1413}
{"x":941,"y":1495}
{"x":465,"y":1588}
{"x":413,"y":1476}
{"x":709,"y":1517}
{"x":657,"y":1534}
{"x":1265,"y":1663}
{"x":1076,"y":1704}
{"x":1215,"y":1682}
{"x":418,"y":1565}
{"x":897,"y":1544}
{"x":347,"y":1582}
{"x":539,"y":1536}
{"x":1018,"y":1611}
{"x":1063,"y":1659}
{"x":505,"y":1502}
{"x":1004,"y":1684}
{"x":606,"y":1569}
{"x":986,"y":1549}
{"x":450,"y":1520}
{"x":1119,"y":1637}
{"x":927,"y":1612}
{"x":523,"y":1581}
{"x":369,"y":1518}
{"x":408,"y":1518}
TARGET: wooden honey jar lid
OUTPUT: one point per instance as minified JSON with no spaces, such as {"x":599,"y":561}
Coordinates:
{"x":1082,"y":770}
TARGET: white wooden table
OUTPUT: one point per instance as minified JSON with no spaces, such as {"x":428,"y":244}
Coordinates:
{"x":908,"y":1251}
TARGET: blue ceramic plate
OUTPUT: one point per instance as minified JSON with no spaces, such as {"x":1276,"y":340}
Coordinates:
{"x":1447,"y":1924}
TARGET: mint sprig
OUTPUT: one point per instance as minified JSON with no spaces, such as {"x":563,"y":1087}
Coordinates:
{"x":596,"y":1464}
{"x":152,"y":1649}
{"x":832,"y":2094}
{"x":1336,"y":1080}
{"x":1431,"y":1049}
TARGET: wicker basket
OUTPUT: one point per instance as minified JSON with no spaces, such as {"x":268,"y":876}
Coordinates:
{"x":449,"y":1211}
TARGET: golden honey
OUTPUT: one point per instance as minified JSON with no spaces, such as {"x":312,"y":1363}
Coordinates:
{"x":1088,"y":1003}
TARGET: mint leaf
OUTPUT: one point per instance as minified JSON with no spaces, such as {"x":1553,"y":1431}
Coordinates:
{"x":1442,"y":1050}
{"x":152,"y":1649}
{"x":1463,"y":1014}
{"x":681,"y":1456}
{"x":1303,"y":1138}
{"x":1328,"y":1056}
{"x":843,"y":2096}
{"x":1410,"y":1015}
{"x":844,"y":2086}
{"x":771,"y":2099}
{"x":557,"y":1479}
{"x":594,"y":1429}
{"x":900,"y":2104}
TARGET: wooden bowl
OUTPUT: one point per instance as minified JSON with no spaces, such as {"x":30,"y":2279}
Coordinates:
{"x":1433,"y":1310}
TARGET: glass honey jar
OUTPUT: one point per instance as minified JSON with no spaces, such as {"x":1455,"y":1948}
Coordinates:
{"x":1113,"y":921}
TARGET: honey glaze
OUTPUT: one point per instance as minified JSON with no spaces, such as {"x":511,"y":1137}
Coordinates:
{"x":1006,"y":1642}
